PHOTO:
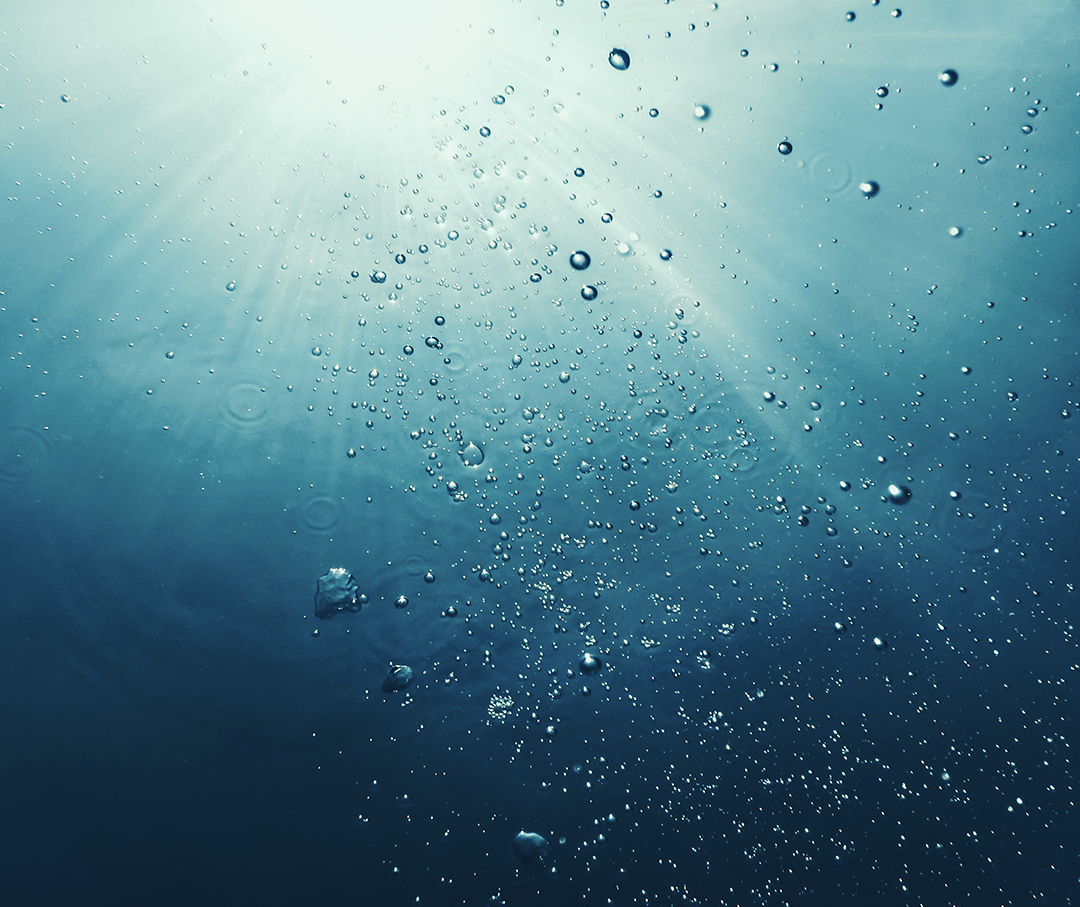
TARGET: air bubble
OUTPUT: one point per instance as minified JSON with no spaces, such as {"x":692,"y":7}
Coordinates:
{"x":619,"y":59}
{"x":400,"y":676}
{"x":589,"y":293}
{"x":784,"y":148}
{"x":949,"y":77}
{"x":336,"y":591}
{"x":590,"y":664}
{"x":898,"y":494}
{"x":579,"y":261}
{"x":472,"y":454}
{"x":532,"y":851}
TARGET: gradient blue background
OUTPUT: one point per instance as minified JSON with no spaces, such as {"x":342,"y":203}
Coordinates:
{"x":187,"y":360}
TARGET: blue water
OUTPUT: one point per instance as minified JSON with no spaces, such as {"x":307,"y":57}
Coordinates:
{"x":681,"y":455}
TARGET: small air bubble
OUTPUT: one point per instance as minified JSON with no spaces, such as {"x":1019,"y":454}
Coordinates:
{"x":784,"y":148}
{"x":619,"y":59}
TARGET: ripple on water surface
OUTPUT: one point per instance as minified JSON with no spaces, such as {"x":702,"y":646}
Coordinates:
{"x":23,"y":451}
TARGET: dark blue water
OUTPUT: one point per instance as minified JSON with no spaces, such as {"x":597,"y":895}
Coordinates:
{"x":651,"y":428}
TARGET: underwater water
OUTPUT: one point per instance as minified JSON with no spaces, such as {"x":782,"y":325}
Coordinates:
{"x":531,"y":453}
